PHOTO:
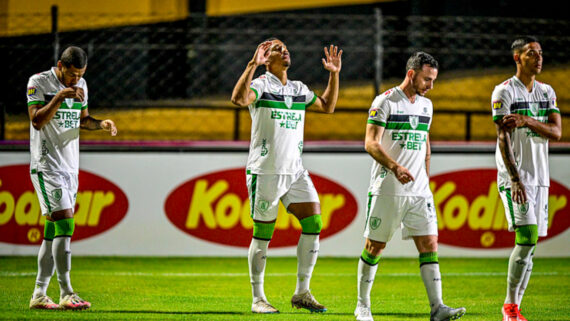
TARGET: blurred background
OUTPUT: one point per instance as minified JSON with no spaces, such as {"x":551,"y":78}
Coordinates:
{"x":164,"y":70}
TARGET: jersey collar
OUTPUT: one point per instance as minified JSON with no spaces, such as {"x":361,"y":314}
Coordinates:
{"x":520,"y":83}
{"x":55,"y":76}
{"x":274,"y":80}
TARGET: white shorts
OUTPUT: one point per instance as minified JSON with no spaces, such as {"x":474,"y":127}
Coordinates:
{"x":385,"y":213}
{"x":56,"y":190}
{"x":265,"y":191}
{"x":533,"y":212}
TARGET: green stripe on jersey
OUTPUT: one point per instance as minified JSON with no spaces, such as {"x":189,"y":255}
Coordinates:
{"x":255,"y":91}
{"x":312,"y":101}
{"x":37,"y":102}
{"x":375,"y":122}
{"x":279,"y":105}
{"x":420,"y":127}
{"x":527,"y":112}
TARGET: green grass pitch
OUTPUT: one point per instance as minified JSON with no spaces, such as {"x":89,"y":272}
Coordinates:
{"x":122,"y":288}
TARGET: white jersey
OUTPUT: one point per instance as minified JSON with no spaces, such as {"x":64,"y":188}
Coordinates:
{"x":55,"y":147}
{"x":404,"y":140}
{"x":278,"y":121}
{"x":529,"y":148}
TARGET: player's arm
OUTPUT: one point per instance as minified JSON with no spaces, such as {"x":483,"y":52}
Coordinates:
{"x":333,"y":63}
{"x":90,"y":123}
{"x":374,"y":148}
{"x":551,"y":130}
{"x":242,"y":95}
{"x":518,"y":193}
{"x":428,"y":154}
{"x":41,"y":114}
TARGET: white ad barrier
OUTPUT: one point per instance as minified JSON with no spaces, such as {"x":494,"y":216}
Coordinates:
{"x":196,"y":204}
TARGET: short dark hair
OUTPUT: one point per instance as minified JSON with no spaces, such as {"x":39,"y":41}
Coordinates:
{"x":520,"y":42}
{"x":74,"y":56}
{"x":419,"y":59}
{"x":271,"y":39}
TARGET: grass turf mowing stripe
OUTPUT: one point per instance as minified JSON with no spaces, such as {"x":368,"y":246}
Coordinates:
{"x":182,"y":274}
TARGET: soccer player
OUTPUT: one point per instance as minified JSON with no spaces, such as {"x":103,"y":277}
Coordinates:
{"x":397,"y":139}
{"x":57,"y":106}
{"x":526,"y":117}
{"x":274,"y":170}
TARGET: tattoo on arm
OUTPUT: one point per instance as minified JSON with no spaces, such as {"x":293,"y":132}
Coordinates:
{"x":507,"y":153}
{"x":90,"y":123}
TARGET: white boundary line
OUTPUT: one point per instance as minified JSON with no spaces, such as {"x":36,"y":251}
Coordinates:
{"x":182,"y":274}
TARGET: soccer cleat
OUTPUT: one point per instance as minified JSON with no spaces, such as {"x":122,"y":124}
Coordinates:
{"x":307,"y":301}
{"x":521,"y":318}
{"x":362,"y":313}
{"x":73,"y":302}
{"x":445,"y":313}
{"x":262,"y":306}
{"x":510,"y":312}
{"x":43,"y":302}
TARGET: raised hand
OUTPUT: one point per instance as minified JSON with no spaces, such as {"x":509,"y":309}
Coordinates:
{"x":333,"y":63}
{"x":262,"y":53}
{"x":109,"y":126}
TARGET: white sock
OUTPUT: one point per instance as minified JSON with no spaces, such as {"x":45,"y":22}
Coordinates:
{"x":432,"y":282}
{"x":366,"y":275}
{"x":517,"y":265}
{"x":45,"y":269}
{"x":256,"y":260}
{"x":525,"y":278}
{"x":307,"y":253}
{"x":61,"y":249}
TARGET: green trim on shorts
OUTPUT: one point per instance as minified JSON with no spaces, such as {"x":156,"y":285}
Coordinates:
{"x":429,"y":257}
{"x":43,"y":189}
{"x":368,"y":209}
{"x":263,"y":231}
{"x":369,"y":258}
{"x":49,"y":230}
{"x":253,"y":189}
{"x":509,"y":203}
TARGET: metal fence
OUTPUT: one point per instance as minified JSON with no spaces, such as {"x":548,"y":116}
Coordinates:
{"x":194,"y":63}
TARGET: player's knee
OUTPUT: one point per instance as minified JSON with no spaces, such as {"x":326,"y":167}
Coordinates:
{"x":49,"y":230}
{"x":263,"y":231}
{"x":312,"y":224}
{"x":64,"y":227}
{"x":374,"y":247}
{"x":526,"y":235}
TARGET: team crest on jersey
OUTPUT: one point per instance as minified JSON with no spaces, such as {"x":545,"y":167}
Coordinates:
{"x":414,"y":121}
{"x":289,"y":101}
{"x":375,"y":222}
{"x":373,"y":113}
{"x":31,"y":91}
{"x":533,"y":107}
{"x":497,"y":105}
{"x":69,"y":102}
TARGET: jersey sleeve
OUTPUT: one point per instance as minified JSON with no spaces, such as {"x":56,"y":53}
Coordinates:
{"x":257,"y":85}
{"x":552,"y":106}
{"x":500,"y":102}
{"x":310,"y":96}
{"x":378,"y":112}
{"x":86,"y":96}
{"x":35,"y":92}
